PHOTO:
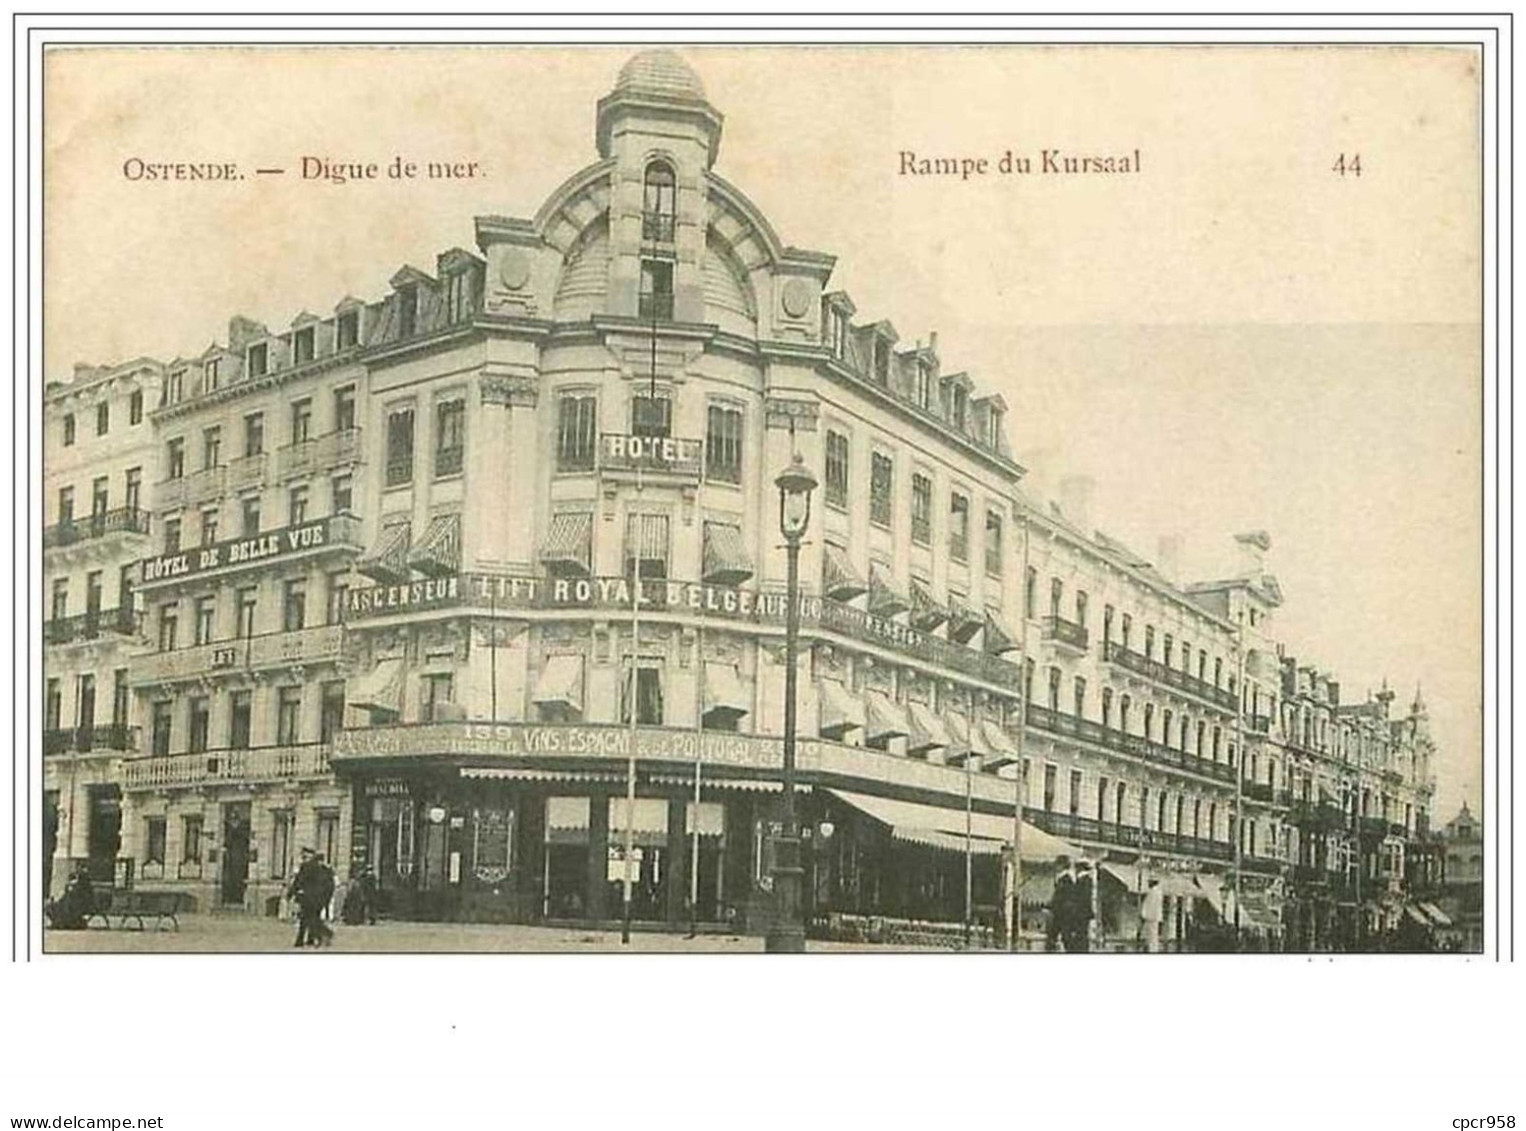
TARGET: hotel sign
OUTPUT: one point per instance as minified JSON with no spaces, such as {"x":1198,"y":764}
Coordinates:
{"x":238,"y":551}
{"x":516,"y":740}
{"x":671,"y":454}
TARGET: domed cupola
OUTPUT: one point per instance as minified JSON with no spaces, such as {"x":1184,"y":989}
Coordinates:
{"x":661,"y":92}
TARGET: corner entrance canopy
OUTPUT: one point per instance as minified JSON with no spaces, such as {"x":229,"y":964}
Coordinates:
{"x":936,"y":827}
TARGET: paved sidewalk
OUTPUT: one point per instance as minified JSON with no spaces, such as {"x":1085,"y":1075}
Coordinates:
{"x":233,"y":934}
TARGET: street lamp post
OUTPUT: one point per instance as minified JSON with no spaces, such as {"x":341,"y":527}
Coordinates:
{"x":786,"y":935}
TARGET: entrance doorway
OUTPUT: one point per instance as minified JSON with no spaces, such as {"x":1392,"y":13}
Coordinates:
{"x":104,"y":840}
{"x":236,"y":838}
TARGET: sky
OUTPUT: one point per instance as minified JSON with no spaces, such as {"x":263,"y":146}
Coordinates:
{"x":1235,"y":337}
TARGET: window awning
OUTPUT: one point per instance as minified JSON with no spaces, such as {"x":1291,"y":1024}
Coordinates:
{"x":1002,"y":750}
{"x":380,"y":689}
{"x":926,"y":613}
{"x":937,"y":827}
{"x":884,"y":599}
{"x":962,"y":621}
{"x":724,"y":693}
{"x":841,"y":711}
{"x":839,"y":580}
{"x":388,"y":560}
{"x":967,"y":740}
{"x":1437,"y":915}
{"x":561,"y":682}
{"x":1211,"y":888}
{"x":885,"y":717}
{"x":569,"y":543}
{"x":1129,"y":875}
{"x":651,"y":815}
{"x":998,"y":640}
{"x":438,"y":552}
{"x":726,"y":561}
{"x":927,"y":729}
{"x":567,"y":820}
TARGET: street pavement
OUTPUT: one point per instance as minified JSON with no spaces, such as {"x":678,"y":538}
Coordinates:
{"x":232,"y":934}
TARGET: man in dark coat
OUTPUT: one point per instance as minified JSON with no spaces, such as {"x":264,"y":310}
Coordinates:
{"x":1077,"y":938}
{"x":1061,"y":904}
{"x":312,"y":894}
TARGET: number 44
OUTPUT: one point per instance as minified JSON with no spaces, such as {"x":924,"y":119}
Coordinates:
{"x":1348,"y":164}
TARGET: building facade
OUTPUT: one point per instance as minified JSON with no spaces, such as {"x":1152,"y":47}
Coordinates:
{"x":432,"y":576}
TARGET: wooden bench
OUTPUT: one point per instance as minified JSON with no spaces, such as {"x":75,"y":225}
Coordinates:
{"x":129,"y":904}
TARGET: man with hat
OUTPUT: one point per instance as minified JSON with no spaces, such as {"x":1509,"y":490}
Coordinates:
{"x":312,"y":888}
{"x":1076,"y":927}
{"x":1061,"y":903}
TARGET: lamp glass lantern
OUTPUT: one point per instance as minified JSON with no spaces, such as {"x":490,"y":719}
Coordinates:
{"x":796,"y":483}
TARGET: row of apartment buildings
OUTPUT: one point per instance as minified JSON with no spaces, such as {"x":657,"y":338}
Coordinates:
{"x":412,"y":580}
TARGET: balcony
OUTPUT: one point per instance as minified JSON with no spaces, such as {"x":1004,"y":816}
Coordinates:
{"x":123,"y":520}
{"x":261,"y":763}
{"x":1258,"y":724}
{"x":1066,"y":633}
{"x":1318,"y":817}
{"x":117,"y":736}
{"x":298,"y":648}
{"x":1262,"y":865}
{"x":1373,"y":826}
{"x":91,"y":626}
{"x":1075,"y":827}
{"x":657,"y":227}
{"x":318,"y":454}
{"x":670,"y":458}
{"x":1310,"y":875}
{"x":1257,"y":791}
{"x":1139,"y":664}
{"x":656,"y":307}
{"x":1047,"y":719}
{"x":247,"y":471}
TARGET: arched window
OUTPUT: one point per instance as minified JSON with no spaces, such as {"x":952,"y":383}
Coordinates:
{"x":658,"y":203}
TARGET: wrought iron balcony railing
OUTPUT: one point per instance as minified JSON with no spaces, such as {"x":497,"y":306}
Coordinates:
{"x":91,"y":625}
{"x":1140,"y":664}
{"x":123,"y":520}
{"x":1061,"y":631}
{"x":1045,"y":718}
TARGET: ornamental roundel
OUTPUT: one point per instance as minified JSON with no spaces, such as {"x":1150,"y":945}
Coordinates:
{"x":797,"y":298}
{"x":515,"y":269}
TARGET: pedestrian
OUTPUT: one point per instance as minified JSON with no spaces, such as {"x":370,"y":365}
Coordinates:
{"x":324,"y":897}
{"x":368,"y":894}
{"x":1060,"y":904}
{"x":72,"y":910}
{"x":1152,"y":909}
{"x":307,"y":891}
{"x":1075,"y":928}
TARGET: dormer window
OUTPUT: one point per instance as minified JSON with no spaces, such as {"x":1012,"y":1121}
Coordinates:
{"x":407,"y":310}
{"x":993,"y":427}
{"x":347,"y":330}
{"x":881,"y":361}
{"x":209,"y":377}
{"x":459,"y":290}
{"x":656,"y":289}
{"x":924,"y":389}
{"x":302,"y":345}
{"x":958,"y":407}
{"x":837,"y":332}
{"x":174,"y":388}
{"x":658,"y":203}
{"x":259,"y":360}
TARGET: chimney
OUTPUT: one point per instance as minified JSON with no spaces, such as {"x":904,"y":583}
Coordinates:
{"x":1075,"y":493}
{"x":1252,"y":549}
{"x":1168,"y":557}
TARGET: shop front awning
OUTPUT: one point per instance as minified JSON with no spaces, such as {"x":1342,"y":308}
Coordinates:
{"x":927,"y":729}
{"x":926,"y":613}
{"x":726,"y":560}
{"x":380,"y":689}
{"x":885,"y":600}
{"x":567,"y":820}
{"x":387,"y":562}
{"x":711,"y":818}
{"x":438,"y":552}
{"x":648,"y":827}
{"x":725,"y":697}
{"x":839,"y":580}
{"x":885,"y":718}
{"x":963,"y":624}
{"x":841,"y":710}
{"x":998,"y":640}
{"x":1002,"y":750}
{"x":1211,"y":889}
{"x":937,"y":827}
{"x":1129,"y":875}
{"x":561,"y":683}
{"x":569,"y":544}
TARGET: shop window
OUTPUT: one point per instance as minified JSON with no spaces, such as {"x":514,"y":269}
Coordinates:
{"x":492,"y":844}
{"x":280,"y":843}
{"x":347,"y":330}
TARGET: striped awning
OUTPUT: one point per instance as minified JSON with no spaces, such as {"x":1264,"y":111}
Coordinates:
{"x":997,"y":639}
{"x":388,"y":560}
{"x":1002,"y":750}
{"x":561,"y":682}
{"x":885,"y":718}
{"x":1437,"y":915}
{"x":927,"y":729}
{"x":569,"y":543}
{"x":841,"y":710}
{"x":380,"y":689}
{"x":726,"y":561}
{"x":965,"y":741}
{"x":926,"y":613}
{"x":646,"y":537}
{"x":724,"y":694}
{"x":936,"y":827}
{"x":963,"y":623}
{"x":438,"y":552}
{"x":839,"y":580}
{"x":884,"y":599}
